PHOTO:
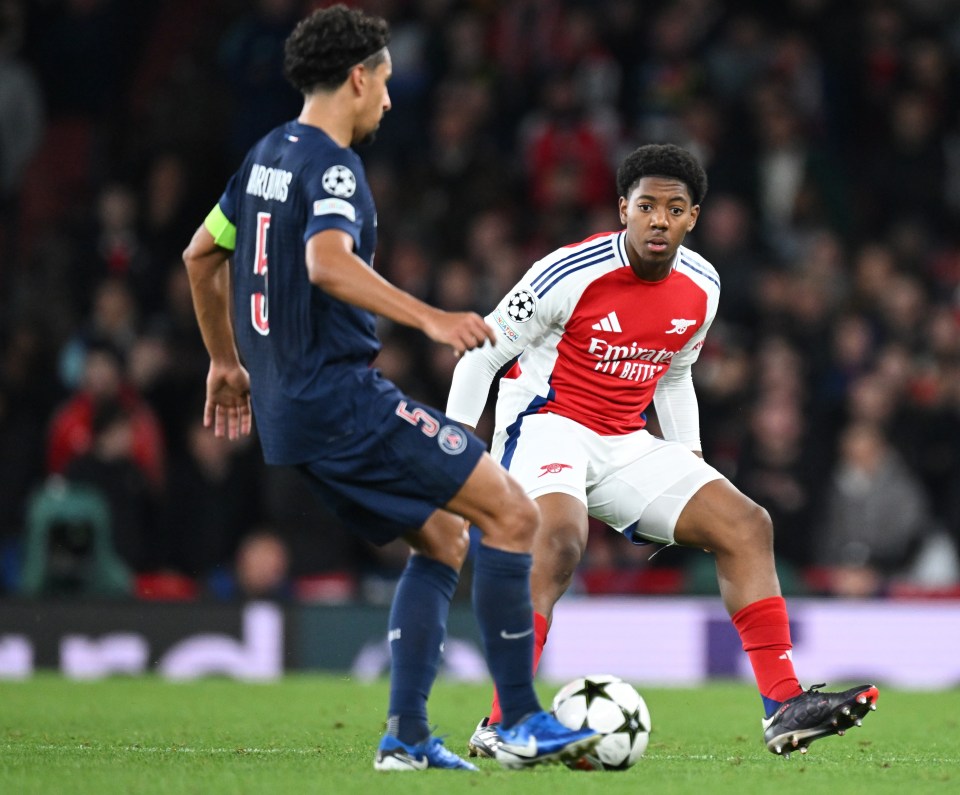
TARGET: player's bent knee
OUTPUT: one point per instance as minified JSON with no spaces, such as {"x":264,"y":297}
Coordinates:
{"x":444,"y":538}
{"x":743,"y":527}
{"x":564,"y":560}
{"x":761,"y":526}
{"x":526,"y":514}
{"x":516,"y":521}
{"x":559,"y":549}
{"x":458,"y":547}
{"x":753,"y":528}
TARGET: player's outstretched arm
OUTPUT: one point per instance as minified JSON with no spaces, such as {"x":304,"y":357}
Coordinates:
{"x":227,"y":407}
{"x":471,"y":382}
{"x":462,"y":331}
{"x":334,"y":268}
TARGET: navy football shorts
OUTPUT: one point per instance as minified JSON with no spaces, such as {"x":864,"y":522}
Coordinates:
{"x":403,"y":461}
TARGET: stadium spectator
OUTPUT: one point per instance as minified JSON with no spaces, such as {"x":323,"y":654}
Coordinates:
{"x":798,"y":188}
{"x":251,"y":57}
{"x":211,"y":501}
{"x":740,"y":51}
{"x":565,"y":156}
{"x":105,"y":245}
{"x":113,"y":320}
{"x":877,"y":516}
{"x":850,"y":355}
{"x":104,"y":380}
{"x":912,"y":156}
{"x":260,"y":569}
{"x":461,"y":173}
{"x":781,"y":469}
{"x":21,"y":120}
{"x":290,"y":508}
{"x":724,"y":384}
{"x":27,"y":398}
{"x":110,"y":468}
{"x":167,"y":209}
{"x":728,"y":237}
{"x":671,"y":75}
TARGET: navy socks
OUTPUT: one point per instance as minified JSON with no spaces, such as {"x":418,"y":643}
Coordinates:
{"x":418,"y":621}
{"x":501,"y":602}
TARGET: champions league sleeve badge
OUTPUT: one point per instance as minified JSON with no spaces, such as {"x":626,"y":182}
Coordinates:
{"x":339,"y":181}
{"x":521,"y":306}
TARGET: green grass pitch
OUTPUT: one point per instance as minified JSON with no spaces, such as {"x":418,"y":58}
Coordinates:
{"x":317,"y":734}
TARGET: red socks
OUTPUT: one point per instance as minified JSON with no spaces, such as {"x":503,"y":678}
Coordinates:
{"x":765,"y":633}
{"x":539,"y":640}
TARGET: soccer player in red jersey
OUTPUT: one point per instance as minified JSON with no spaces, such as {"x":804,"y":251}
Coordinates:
{"x":600,"y":329}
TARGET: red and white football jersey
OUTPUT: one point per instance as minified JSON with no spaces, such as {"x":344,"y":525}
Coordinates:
{"x":593,"y":340}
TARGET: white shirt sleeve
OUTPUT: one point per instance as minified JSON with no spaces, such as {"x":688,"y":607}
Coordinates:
{"x":676,"y":402}
{"x":520,"y":319}
{"x":471,"y":383}
{"x":675,"y":398}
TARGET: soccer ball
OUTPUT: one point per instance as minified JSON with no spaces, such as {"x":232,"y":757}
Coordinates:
{"x":611,"y":707}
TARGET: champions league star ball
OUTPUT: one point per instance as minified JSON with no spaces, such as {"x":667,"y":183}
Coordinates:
{"x":521,"y":306}
{"x":613,"y":708}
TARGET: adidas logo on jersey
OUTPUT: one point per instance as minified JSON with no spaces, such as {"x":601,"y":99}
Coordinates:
{"x":609,"y":323}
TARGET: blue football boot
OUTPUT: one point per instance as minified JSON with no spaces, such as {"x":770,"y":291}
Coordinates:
{"x":541,"y":739}
{"x":395,"y":755}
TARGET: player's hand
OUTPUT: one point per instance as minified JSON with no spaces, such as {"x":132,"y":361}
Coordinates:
{"x":227,"y":408}
{"x":462,"y":331}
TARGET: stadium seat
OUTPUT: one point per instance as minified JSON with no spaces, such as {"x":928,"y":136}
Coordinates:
{"x":166,"y":587}
{"x":68,"y":549}
{"x":338,"y":587}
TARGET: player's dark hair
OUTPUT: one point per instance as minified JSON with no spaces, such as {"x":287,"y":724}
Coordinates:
{"x":662,"y":160}
{"x":326,"y":45}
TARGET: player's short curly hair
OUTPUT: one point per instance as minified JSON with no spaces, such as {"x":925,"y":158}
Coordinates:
{"x":662,"y":160}
{"x":326,"y":45}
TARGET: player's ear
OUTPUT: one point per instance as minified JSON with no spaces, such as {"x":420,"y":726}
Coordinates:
{"x":694,"y":215}
{"x":622,"y":206}
{"x":357,"y":77}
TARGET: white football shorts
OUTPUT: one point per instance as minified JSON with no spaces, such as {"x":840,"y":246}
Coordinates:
{"x":638,"y":484}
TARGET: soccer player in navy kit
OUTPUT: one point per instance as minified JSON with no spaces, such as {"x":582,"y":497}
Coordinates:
{"x":600,"y":329}
{"x":290,"y":246}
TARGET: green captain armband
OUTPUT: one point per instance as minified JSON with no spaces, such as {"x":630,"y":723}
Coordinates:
{"x":224,"y":233}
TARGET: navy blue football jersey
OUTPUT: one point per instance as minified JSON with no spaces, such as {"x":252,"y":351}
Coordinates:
{"x":306,"y":351}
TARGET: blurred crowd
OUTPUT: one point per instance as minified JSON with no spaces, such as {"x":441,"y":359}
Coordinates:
{"x":829,"y":386}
